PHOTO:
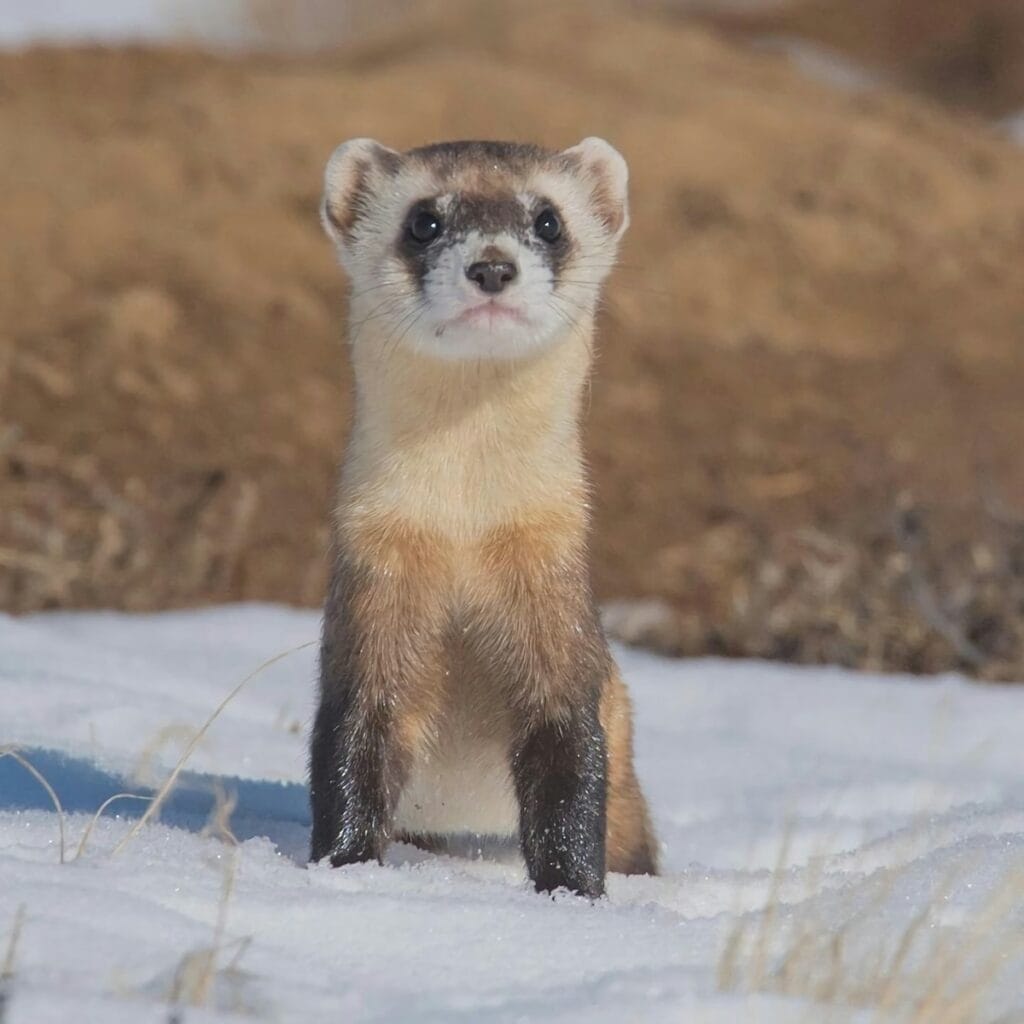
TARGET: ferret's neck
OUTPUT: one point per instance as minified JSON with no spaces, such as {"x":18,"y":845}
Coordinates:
{"x":404,"y":398}
{"x":463,"y":446}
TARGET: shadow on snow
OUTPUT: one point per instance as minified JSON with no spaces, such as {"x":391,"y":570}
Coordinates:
{"x":278,"y":811}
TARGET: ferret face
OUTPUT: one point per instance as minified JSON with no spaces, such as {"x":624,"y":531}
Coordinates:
{"x":473,"y":250}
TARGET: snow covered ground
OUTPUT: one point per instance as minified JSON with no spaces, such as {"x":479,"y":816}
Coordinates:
{"x":828,"y":839}
{"x":31,"y":21}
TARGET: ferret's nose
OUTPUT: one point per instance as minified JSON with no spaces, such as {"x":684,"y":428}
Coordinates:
{"x":492,"y":276}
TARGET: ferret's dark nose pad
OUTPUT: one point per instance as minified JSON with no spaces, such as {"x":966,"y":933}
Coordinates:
{"x":492,"y":276}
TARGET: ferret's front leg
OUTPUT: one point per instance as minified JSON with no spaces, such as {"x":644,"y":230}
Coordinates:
{"x":380,"y":648}
{"x":355,"y":776}
{"x":356,"y":770}
{"x":560,"y":772}
{"x":539,"y":639}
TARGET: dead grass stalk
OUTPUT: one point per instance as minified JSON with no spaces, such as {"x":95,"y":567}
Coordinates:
{"x":165,"y":789}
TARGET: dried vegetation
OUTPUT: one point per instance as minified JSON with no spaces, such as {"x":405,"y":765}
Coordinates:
{"x":806,"y":420}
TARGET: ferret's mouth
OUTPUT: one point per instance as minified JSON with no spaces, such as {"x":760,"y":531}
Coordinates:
{"x":490,"y":314}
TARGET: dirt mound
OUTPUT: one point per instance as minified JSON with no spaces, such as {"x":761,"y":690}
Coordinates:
{"x":806,"y":420}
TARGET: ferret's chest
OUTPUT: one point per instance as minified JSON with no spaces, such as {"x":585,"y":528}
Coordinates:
{"x":463,"y":482}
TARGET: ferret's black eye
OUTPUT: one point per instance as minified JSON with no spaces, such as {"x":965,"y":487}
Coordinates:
{"x":424,"y":227}
{"x":547,"y":225}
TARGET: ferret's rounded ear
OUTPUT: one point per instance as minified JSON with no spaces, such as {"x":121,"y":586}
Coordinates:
{"x":607,"y":170}
{"x":347,"y":183}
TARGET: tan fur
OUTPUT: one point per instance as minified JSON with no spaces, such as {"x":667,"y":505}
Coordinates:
{"x":511,"y":567}
{"x":396,"y":578}
{"x":416,"y":413}
{"x":630,"y":835}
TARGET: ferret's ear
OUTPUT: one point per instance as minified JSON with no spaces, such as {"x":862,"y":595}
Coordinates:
{"x":604,"y":165}
{"x":348,"y":184}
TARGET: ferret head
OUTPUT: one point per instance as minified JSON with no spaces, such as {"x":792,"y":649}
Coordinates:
{"x":469,"y":250}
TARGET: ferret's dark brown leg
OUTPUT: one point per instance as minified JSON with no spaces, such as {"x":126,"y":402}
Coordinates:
{"x":560,"y":770}
{"x":355,"y":776}
{"x":381,"y":648}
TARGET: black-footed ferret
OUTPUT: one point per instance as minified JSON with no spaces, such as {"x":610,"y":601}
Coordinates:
{"x":466,"y":685}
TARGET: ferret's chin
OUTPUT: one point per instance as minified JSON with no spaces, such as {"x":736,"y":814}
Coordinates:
{"x":481,"y":336}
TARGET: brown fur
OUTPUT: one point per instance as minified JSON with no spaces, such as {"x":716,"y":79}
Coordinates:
{"x":632,"y":847}
{"x":396,"y":577}
{"x":521,"y":596}
{"x":532,"y":613}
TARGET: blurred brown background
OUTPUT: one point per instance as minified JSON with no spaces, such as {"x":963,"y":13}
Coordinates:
{"x":806,"y":422}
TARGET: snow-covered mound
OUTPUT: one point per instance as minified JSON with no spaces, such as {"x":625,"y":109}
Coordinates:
{"x":831,"y":840}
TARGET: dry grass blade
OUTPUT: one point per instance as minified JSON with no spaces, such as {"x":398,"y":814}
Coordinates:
{"x":165,"y":790}
{"x":7,"y":971}
{"x":768,"y":916}
{"x":99,"y":813}
{"x":894,"y":974}
{"x":803,"y":941}
{"x":145,"y":773}
{"x":219,"y":824}
{"x":41,"y":779}
{"x":197,"y":973}
{"x":207,"y":977}
{"x":727,"y":962}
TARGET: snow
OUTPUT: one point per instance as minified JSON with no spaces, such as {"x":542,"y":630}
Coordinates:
{"x":794,"y":806}
{"x":23,"y":22}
